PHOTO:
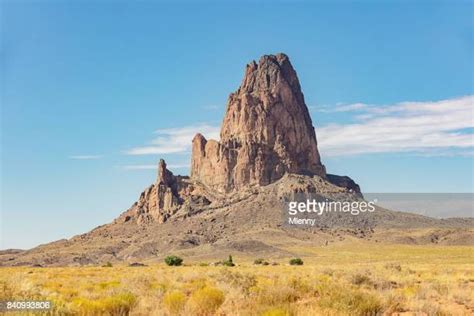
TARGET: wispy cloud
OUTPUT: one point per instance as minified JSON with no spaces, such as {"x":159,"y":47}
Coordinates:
{"x":435,"y":128}
{"x":175,"y":140}
{"x":154,"y":167}
{"x":440,"y":128}
{"x":85,"y":157}
{"x":341,"y":107}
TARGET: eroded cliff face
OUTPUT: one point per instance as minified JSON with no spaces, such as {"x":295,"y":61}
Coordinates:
{"x":267,"y":131}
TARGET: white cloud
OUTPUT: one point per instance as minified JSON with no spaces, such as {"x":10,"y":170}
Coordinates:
{"x":341,"y":107}
{"x":175,"y":140}
{"x":85,"y":157}
{"x":423,"y":127}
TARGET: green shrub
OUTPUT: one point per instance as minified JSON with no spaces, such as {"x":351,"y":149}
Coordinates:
{"x":107,"y":265}
{"x":261,"y":262}
{"x":173,"y":261}
{"x":258,"y":261}
{"x":229,"y":262}
{"x":296,"y":262}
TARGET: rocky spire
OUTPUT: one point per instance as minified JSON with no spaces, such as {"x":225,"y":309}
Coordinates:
{"x":165,"y":177}
{"x":267,"y":131}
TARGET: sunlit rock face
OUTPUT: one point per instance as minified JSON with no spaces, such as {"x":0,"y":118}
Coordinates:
{"x":267,"y":131}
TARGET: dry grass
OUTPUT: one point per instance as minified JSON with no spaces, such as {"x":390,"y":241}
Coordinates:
{"x":344,"y":280}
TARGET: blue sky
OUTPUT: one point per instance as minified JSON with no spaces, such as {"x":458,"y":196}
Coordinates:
{"x":88,"y":86}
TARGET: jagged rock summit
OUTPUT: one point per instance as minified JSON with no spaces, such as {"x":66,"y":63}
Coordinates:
{"x":267,"y":131}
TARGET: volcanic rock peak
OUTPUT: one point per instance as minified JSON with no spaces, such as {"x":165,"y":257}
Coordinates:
{"x":267,"y":131}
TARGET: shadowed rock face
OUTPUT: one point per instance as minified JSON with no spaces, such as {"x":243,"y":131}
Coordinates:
{"x":344,"y":182}
{"x":267,"y":131}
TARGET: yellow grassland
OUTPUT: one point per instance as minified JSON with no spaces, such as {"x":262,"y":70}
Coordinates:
{"x":349,"y":279}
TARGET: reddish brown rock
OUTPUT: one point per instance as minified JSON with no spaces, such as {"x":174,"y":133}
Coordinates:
{"x":160,"y":200}
{"x":267,"y":131}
